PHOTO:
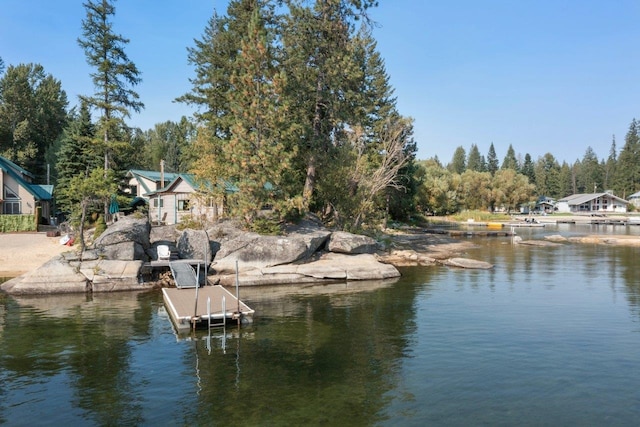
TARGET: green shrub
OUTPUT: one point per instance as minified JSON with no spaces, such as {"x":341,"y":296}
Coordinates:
{"x":13,"y":223}
{"x":265,"y":226}
{"x":101,"y":226}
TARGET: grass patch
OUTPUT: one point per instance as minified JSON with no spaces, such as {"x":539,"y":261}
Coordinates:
{"x":480,"y":216}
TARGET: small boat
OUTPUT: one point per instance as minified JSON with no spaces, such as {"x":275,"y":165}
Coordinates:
{"x":495,"y":225}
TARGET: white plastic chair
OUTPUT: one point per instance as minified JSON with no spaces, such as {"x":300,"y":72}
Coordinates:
{"x":164,"y":254}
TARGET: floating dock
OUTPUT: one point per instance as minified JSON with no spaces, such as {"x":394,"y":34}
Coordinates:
{"x":204,"y":306}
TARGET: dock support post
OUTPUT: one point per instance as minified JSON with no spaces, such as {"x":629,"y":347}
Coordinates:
{"x":195,"y":309}
{"x":224,"y":324}
{"x":209,"y":312}
{"x":238,"y":292}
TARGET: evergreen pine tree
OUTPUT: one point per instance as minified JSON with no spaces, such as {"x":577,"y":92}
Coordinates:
{"x":323,"y":78}
{"x":589,"y":176}
{"x":627,"y":174}
{"x":75,"y":157}
{"x":458,"y":161}
{"x":113,"y":77}
{"x":492,"y":160}
{"x":609,"y":168}
{"x":474,"y":159}
{"x":528,"y":169}
{"x":510,"y":161}
{"x":258,"y":156}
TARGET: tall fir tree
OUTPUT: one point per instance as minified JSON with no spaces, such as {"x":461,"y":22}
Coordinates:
{"x":258,"y":156}
{"x":528,"y":168}
{"x":458,"y":161}
{"x":510,"y":161}
{"x":474,"y":159}
{"x":114,"y":77}
{"x":547,"y":171}
{"x":609,"y":168}
{"x":589,"y":178}
{"x":492,"y":160}
{"x":627,"y":174}
{"x":76,"y":156}
{"x":213,"y":58}
{"x":323,"y":77}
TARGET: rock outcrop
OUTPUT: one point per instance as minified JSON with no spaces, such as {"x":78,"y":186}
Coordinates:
{"x":325,"y":267}
{"x":194,"y":244}
{"x":467,"y":263}
{"x":67,"y":274}
{"x":347,"y":243}
{"x":305,"y":253}
{"x":127,"y":240}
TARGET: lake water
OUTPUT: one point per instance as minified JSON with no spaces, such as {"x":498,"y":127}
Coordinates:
{"x":550,"y":336}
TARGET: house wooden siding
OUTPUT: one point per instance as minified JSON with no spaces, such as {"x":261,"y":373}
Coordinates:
{"x":596,"y":202}
{"x":26,"y":201}
{"x":138,"y":190}
{"x":179,"y":200}
{"x":142,"y":182}
{"x":634,"y":199}
{"x":19,"y":196}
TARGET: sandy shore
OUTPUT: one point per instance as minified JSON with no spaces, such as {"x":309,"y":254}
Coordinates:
{"x":24,"y":252}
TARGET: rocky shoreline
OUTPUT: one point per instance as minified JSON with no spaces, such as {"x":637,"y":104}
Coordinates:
{"x":306,"y":253}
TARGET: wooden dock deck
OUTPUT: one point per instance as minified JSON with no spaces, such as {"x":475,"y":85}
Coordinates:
{"x":186,"y":313}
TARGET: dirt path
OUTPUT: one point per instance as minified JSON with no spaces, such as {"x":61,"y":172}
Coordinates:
{"x":24,"y":252}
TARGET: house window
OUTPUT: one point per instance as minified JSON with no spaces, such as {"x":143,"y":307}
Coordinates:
{"x":134,"y":189}
{"x":11,"y":205}
{"x":155,"y":203}
{"x":183,"y":205}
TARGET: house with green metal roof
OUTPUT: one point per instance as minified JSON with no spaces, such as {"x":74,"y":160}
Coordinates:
{"x":182,"y":197}
{"x":142,"y":182}
{"x":20,"y":196}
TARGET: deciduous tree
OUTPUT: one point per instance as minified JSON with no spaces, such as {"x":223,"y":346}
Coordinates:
{"x":32,"y":115}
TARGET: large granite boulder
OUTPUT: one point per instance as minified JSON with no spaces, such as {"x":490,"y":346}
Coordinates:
{"x":194,"y":244}
{"x":252,"y":250}
{"x":64,"y":274}
{"x":115,"y":242}
{"x":326,"y":267}
{"x":112,"y":275}
{"x":54,"y":276}
{"x":124,"y":251}
{"x":348,"y":243}
{"x":467,"y":263}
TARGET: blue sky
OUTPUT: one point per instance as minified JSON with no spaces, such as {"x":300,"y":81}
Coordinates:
{"x":545,"y":76}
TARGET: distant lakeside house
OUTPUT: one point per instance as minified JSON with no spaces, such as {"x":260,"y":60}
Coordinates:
{"x":20,"y":196}
{"x":592,"y":202}
{"x":634,"y":199}
{"x":171,"y":197}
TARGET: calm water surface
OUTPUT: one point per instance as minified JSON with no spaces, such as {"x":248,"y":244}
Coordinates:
{"x":550,"y":336}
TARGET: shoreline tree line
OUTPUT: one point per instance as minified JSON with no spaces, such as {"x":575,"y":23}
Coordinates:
{"x":294,"y":110}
